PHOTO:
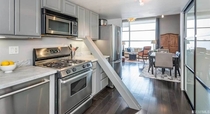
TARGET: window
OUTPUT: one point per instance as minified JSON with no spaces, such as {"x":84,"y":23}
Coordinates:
{"x":139,"y":33}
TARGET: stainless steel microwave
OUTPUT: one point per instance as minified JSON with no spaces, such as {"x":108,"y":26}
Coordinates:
{"x":57,"y":24}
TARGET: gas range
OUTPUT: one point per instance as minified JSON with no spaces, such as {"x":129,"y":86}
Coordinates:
{"x":73,"y":80}
{"x":60,"y":61}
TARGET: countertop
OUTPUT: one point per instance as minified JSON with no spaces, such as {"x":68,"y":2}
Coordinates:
{"x":89,"y":57}
{"x":23,"y":74}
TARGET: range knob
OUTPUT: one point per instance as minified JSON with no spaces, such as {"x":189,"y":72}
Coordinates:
{"x":88,"y":64}
{"x":68,"y":71}
{"x":74,"y":69}
{"x":83,"y":66}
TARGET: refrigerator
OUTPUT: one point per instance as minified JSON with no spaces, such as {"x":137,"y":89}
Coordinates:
{"x":109,"y":43}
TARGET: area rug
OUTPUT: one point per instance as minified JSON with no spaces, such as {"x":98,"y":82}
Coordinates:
{"x":133,"y":61}
{"x":166,"y":76}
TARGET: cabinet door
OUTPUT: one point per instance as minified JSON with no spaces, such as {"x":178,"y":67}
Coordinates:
{"x":27,"y":17}
{"x":94,"y":25}
{"x":69,"y":8}
{"x":164,"y":41}
{"x":52,"y":4}
{"x":81,"y":22}
{"x":173,"y":43}
{"x":87,"y":23}
{"x":7,"y":17}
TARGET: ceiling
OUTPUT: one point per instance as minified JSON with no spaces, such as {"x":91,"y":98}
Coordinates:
{"x":112,"y":9}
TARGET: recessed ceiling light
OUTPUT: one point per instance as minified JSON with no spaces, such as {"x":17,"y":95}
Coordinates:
{"x":162,"y":16}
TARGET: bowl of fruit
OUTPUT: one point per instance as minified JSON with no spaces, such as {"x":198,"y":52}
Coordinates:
{"x":7,"y":66}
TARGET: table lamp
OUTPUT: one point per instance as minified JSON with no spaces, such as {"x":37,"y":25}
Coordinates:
{"x":153,"y":42}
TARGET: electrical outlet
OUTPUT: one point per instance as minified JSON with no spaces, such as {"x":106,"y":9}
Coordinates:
{"x":13,"y":49}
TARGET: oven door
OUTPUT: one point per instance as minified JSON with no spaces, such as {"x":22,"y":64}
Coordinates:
{"x":73,"y":90}
{"x":58,"y":26}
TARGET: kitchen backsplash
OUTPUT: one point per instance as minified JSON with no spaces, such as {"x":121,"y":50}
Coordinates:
{"x":24,"y":57}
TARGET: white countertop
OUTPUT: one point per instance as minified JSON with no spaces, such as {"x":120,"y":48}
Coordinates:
{"x":89,"y":57}
{"x":23,"y":74}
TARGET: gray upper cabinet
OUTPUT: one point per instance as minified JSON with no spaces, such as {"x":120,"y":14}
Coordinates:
{"x":52,"y":4}
{"x":27,"y":17}
{"x":87,"y":23}
{"x":81,"y":22}
{"x":69,"y":8}
{"x":7,"y":17}
{"x":94,"y":25}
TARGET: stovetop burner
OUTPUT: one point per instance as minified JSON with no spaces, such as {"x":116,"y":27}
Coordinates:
{"x":63,"y":63}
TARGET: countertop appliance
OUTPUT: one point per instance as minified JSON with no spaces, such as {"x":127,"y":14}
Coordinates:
{"x":110,"y":44}
{"x":57,"y":24}
{"x":73,"y":79}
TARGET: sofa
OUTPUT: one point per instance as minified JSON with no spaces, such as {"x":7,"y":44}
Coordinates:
{"x":127,"y":51}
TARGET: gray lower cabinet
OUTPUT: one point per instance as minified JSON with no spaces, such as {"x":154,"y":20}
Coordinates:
{"x":94,"y":25}
{"x":26,"y":98}
{"x":52,"y":4}
{"x":27,"y":17}
{"x":69,"y":8}
{"x":7,"y":17}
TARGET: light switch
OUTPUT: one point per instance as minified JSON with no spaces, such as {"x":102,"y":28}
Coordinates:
{"x":13,"y":49}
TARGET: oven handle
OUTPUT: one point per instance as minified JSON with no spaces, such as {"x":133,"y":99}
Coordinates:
{"x":76,"y":77}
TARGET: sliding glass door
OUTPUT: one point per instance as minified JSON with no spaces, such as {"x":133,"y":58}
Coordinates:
{"x":202,"y":57}
{"x":197,"y":55}
{"x":189,"y":52}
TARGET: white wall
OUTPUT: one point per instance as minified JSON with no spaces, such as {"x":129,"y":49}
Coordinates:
{"x":170,"y":24}
{"x":26,"y":47}
{"x":117,"y":22}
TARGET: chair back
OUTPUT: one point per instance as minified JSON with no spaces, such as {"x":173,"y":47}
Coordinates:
{"x":163,"y":50}
{"x":146,"y":49}
{"x":164,"y":60}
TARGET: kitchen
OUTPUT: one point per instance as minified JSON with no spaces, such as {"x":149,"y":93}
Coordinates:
{"x":26,"y":40}
{"x":21,"y":34}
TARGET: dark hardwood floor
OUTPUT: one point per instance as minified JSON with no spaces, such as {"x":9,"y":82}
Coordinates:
{"x":155,"y":96}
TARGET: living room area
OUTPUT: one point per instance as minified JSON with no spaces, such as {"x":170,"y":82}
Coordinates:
{"x":149,"y":34}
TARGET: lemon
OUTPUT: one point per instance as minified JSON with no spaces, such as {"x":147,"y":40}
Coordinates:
{"x":5,"y":63}
{"x":11,"y":62}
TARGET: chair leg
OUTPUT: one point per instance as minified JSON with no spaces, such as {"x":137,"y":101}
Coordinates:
{"x":171,"y":75}
{"x":155,"y":72}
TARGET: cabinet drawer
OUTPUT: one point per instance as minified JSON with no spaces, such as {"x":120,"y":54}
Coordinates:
{"x":104,"y":83}
{"x":94,"y":65}
{"x":103,"y":75}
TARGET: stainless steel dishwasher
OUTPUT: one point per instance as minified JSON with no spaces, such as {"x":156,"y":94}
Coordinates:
{"x":27,"y":98}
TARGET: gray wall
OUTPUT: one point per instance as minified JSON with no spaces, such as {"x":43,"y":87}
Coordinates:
{"x":170,"y":24}
{"x":26,"y":47}
{"x":117,"y":22}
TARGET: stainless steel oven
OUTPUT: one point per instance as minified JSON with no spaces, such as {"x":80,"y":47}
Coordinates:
{"x":73,"y":90}
{"x":54,"y":23}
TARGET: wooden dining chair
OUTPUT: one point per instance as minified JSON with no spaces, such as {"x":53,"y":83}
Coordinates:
{"x":163,"y":60}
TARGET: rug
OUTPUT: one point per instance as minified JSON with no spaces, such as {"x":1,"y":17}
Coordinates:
{"x":164,"y":77}
{"x":133,"y":61}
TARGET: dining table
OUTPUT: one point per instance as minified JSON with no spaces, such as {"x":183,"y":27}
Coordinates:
{"x":175,"y":59}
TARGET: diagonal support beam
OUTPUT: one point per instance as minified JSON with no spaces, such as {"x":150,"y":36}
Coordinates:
{"x":113,"y":76}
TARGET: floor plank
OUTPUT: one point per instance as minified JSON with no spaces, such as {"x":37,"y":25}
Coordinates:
{"x":155,"y":96}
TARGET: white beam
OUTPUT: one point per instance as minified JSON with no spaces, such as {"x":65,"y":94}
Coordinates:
{"x":113,"y":76}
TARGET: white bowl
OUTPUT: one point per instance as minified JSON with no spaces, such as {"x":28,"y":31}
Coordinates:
{"x":8,"y":69}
